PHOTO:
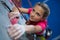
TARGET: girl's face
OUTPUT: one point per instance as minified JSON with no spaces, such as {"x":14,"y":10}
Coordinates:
{"x":36,"y":14}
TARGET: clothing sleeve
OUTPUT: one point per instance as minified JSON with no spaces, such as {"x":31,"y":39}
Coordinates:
{"x":29,"y":10}
{"x":43,"y":25}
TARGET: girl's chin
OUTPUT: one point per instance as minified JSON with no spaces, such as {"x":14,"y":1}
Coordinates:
{"x":32,"y":20}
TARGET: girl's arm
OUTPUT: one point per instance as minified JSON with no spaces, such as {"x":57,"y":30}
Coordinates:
{"x":33,"y":29}
{"x":16,"y":31}
{"x":23,"y":10}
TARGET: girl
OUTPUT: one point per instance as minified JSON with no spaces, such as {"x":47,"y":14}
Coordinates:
{"x":37,"y":22}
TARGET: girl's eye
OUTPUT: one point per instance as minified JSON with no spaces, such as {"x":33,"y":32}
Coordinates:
{"x":33,"y":9}
{"x":38,"y":14}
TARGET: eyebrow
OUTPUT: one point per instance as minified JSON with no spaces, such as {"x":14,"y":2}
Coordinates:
{"x":36,"y":12}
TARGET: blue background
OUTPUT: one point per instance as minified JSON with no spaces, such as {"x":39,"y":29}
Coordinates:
{"x":54,"y":17}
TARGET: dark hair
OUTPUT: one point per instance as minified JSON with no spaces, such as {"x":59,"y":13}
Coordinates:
{"x":46,"y":9}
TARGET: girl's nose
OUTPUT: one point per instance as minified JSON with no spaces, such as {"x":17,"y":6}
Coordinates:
{"x":33,"y":14}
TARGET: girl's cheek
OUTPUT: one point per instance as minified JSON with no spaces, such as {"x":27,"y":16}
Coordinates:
{"x":14,"y":21}
{"x":37,"y":18}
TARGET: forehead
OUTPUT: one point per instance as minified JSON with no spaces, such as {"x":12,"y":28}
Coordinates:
{"x":39,"y":9}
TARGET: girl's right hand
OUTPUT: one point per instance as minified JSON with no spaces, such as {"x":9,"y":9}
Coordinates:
{"x":16,"y":31}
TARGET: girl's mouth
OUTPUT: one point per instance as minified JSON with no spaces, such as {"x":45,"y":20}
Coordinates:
{"x":31,"y":18}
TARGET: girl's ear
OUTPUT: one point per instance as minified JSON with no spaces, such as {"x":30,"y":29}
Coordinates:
{"x":44,"y":18}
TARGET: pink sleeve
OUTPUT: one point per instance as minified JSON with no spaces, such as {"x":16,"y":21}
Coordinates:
{"x":42,"y":24}
{"x":29,"y":10}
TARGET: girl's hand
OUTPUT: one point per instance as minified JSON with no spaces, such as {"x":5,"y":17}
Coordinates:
{"x":13,"y":14}
{"x":16,"y":31}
